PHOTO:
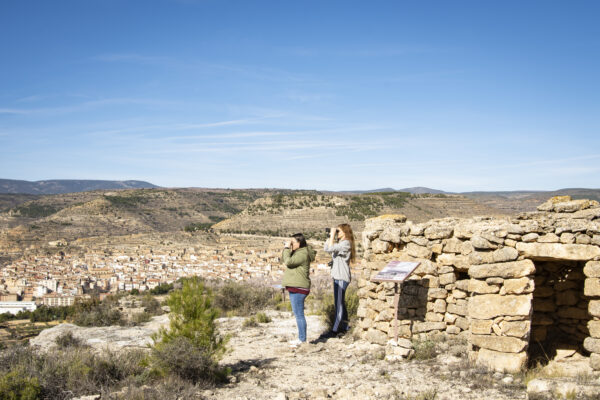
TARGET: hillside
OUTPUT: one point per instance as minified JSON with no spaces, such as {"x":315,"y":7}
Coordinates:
{"x":286,"y":214}
{"x":57,"y":186}
{"x":114,"y":213}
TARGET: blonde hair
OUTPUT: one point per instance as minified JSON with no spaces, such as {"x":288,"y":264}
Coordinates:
{"x":347,"y":229}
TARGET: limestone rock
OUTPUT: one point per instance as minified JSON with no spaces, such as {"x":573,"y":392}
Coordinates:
{"x":549,"y":204}
{"x":595,"y":361}
{"x":573,"y":205}
{"x":489,"y":306}
{"x":428,"y":326}
{"x":516,"y":269}
{"x":548,"y":238}
{"x":560,"y":388}
{"x":592,"y":269}
{"x":594,"y":328}
{"x":518,"y":286}
{"x":559,"y":251}
{"x":481,"y":326}
{"x":115,"y":338}
{"x":481,"y":243}
{"x":592,"y":287}
{"x":477,"y":286}
{"x":379,"y":246}
{"x":592,"y":345}
{"x":417,"y":251}
{"x":376,"y":336}
{"x":391,"y":235}
{"x":594,"y":308}
{"x":505,"y":254}
{"x":518,"y":329}
{"x":502,"y":362}
{"x":438,"y":232}
{"x":503,"y":344}
{"x":530,"y":237}
{"x":452,"y":245}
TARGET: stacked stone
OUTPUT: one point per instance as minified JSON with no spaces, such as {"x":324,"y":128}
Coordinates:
{"x":500,"y":312}
{"x":476,"y":277}
{"x":592,"y":291}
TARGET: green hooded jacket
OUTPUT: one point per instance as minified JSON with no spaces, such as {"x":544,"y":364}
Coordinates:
{"x":298,"y":267}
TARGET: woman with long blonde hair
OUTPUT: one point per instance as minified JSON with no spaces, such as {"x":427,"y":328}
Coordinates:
{"x":343,"y":253}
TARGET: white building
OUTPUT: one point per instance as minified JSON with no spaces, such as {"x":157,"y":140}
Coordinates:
{"x":14,"y":307}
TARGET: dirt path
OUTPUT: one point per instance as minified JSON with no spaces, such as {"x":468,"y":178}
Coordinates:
{"x":265,"y":367}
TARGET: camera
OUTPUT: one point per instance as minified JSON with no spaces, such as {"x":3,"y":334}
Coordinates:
{"x":328,"y":230}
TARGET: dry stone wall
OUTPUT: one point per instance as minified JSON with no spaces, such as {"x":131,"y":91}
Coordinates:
{"x":493,"y":281}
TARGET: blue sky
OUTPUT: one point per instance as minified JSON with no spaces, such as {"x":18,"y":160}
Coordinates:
{"x":331,"y":95}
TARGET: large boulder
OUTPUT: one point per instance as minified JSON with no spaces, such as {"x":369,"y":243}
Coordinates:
{"x":113,"y":338}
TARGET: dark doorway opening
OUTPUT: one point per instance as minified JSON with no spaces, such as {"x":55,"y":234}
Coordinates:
{"x":560,"y":311}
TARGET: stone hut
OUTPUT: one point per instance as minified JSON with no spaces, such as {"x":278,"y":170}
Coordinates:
{"x":515,"y":288}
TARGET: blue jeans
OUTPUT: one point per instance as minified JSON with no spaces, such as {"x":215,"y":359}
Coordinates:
{"x":297,"y":300}
{"x":341,"y":313}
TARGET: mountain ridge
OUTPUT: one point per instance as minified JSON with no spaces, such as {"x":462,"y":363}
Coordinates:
{"x":62,"y":186}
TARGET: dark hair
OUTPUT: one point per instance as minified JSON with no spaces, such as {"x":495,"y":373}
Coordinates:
{"x":300,"y":238}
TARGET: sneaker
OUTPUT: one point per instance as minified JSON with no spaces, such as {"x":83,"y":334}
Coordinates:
{"x":295,"y":343}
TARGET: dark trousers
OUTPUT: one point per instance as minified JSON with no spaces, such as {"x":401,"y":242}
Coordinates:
{"x":341,"y":313}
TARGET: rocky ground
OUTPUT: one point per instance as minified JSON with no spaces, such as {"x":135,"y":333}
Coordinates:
{"x":265,"y":367}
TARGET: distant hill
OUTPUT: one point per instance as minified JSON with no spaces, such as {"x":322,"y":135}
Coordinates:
{"x":412,"y":190}
{"x":524,"y":200}
{"x":284,"y":214}
{"x":422,"y":190}
{"x":59,"y":186}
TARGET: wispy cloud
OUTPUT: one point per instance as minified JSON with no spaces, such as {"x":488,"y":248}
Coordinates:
{"x":29,"y":99}
{"x":129,"y":57}
{"x":257,"y":72}
{"x":85,"y":106}
{"x":14,"y":111}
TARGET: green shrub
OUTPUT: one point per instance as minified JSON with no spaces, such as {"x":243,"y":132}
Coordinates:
{"x":141,"y":318}
{"x":327,"y":307}
{"x":243,"y":299}
{"x":424,"y":350}
{"x":67,"y":372}
{"x":94,"y":312}
{"x":151,"y":305}
{"x":46,"y":314}
{"x":15,"y":385}
{"x":163,"y":288}
{"x":191,"y":347}
{"x":198,"y":226}
{"x":262,"y":318}
{"x":33,"y":210}
{"x":250,"y":322}
{"x":68,"y":340}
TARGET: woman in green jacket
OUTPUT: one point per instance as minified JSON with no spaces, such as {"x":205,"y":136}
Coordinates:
{"x":297,"y":257}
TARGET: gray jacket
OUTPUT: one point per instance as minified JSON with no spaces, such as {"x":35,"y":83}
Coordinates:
{"x":340,"y":252}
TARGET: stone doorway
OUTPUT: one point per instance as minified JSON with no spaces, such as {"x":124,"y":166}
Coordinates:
{"x":560,"y":312}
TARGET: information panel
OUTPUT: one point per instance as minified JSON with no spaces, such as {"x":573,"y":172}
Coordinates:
{"x":396,"y":271}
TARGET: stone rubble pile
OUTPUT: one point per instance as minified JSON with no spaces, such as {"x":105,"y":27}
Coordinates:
{"x":498,"y":282}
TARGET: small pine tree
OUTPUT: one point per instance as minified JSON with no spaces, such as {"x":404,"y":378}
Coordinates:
{"x":193,"y":317}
